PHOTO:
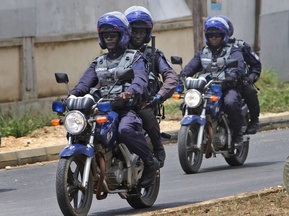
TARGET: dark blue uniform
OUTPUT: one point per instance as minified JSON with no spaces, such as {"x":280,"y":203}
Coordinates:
{"x":232,"y":97}
{"x":249,"y":93}
{"x":166,"y":90}
{"x":130,"y":126}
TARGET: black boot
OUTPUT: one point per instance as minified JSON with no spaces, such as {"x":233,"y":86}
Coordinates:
{"x":151,"y":165}
{"x":160,"y":155}
{"x":252,"y":127}
{"x":237,"y":140}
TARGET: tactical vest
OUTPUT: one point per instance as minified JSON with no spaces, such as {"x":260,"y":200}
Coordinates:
{"x":104,"y":70}
{"x":241,"y":44}
{"x":207,"y":54}
{"x":155,"y":82}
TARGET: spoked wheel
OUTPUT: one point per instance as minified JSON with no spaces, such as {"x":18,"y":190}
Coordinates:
{"x":286,"y":175}
{"x":190,"y":156}
{"x":73,"y":198}
{"x":240,"y":155}
{"x":145,"y":197}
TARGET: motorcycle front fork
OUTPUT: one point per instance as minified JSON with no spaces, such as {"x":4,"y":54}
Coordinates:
{"x":201,"y":129}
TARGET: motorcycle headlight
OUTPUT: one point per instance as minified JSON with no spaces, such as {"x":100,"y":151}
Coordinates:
{"x":193,"y":98}
{"x":75,"y":122}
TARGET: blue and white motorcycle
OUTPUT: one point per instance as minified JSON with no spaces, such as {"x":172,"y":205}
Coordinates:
{"x":205,"y":127}
{"x":94,"y":162}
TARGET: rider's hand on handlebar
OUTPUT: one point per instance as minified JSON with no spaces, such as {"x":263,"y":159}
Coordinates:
{"x":156,"y":100}
{"x":125,"y":95}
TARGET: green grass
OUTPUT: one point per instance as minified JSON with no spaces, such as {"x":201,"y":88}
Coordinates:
{"x":16,"y":125}
{"x":273,"y":94}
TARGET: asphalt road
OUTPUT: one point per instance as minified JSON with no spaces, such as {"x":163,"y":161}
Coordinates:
{"x":30,"y":190}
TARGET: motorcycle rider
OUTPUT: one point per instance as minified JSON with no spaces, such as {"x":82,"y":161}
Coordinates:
{"x":141,"y":22}
{"x":249,"y":93}
{"x":216,"y":37}
{"x":114,"y":35}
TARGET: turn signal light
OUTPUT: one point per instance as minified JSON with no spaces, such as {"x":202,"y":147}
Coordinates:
{"x":101,"y":119}
{"x":55,"y":122}
{"x":214,"y":98}
{"x":176,"y":96}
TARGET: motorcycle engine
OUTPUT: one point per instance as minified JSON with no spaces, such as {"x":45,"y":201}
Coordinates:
{"x":116,"y":174}
{"x":220,"y":138}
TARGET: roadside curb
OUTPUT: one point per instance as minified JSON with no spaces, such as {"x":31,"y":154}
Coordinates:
{"x":185,"y":209}
{"x":27,"y":156}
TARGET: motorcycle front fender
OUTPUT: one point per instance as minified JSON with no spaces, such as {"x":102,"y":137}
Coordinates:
{"x":189,"y":119}
{"x":76,"y":149}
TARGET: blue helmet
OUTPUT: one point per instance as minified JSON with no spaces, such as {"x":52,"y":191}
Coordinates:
{"x":140,"y":17}
{"x":119,"y":23}
{"x":217,"y":25}
{"x":231,"y":27}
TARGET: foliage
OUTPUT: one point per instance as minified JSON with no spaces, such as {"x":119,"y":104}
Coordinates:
{"x":17,"y":125}
{"x":273,"y":94}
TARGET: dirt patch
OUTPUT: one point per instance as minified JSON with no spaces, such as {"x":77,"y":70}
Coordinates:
{"x":267,"y":202}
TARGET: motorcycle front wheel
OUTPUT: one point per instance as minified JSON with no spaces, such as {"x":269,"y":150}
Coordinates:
{"x":190,"y":156}
{"x":73,"y":198}
{"x":286,"y":175}
{"x":145,"y":197}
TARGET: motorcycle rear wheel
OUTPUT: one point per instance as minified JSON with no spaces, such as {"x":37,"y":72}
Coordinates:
{"x":240,"y":157}
{"x":286,"y":175}
{"x":145,"y":197}
{"x":73,"y":199}
{"x":190,"y":156}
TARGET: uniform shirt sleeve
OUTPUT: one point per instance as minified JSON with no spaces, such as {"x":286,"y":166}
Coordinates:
{"x":194,"y":66}
{"x":237,"y":54}
{"x":252,"y":60}
{"x":87,"y":81}
{"x":140,"y":82}
{"x":169,"y":76}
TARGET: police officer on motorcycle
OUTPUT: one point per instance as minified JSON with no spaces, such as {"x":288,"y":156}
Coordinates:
{"x":216,"y":37}
{"x":114,"y":35}
{"x":253,"y":72}
{"x":141,"y":22}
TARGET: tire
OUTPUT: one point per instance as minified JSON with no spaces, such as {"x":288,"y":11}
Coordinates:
{"x":145,"y":197}
{"x":240,"y":157}
{"x":286,"y":175}
{"x":72,"y":198}
{"x":190,"y":157}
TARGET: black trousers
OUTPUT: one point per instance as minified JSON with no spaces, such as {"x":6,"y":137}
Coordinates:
{"x":250,"y":95}
{"x":151,"y":126}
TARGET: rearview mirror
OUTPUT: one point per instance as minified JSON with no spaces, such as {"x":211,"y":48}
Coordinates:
{"x":176,"y":60}
{"x":61,"y":78}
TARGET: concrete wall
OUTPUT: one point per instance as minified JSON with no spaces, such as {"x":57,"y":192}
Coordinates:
{"x":40,"y":38}
{"x":35,"y":86}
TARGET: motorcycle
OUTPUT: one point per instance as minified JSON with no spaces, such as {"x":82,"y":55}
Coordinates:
{"x":94,"y":162}
{"x":205,"y":127}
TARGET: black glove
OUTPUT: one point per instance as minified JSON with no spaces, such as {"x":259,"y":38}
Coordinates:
{"x":253,"y":78}
{"x":156,"y":100}
{"x":230,"y":82}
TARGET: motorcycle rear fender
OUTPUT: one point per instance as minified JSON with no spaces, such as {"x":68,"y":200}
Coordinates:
{"x":76,"y":149}
{"x":189,"y":119}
